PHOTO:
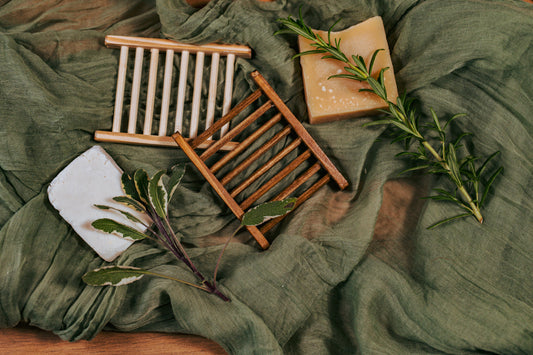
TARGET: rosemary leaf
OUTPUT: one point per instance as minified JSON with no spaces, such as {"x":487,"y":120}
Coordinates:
{"x":462,"y":215}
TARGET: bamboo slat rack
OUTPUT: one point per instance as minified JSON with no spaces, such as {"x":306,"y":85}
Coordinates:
{"x":294,"y":158}
{"x":142,"y":130}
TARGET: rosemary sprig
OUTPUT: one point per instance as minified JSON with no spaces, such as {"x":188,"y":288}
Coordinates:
{"x":468,"y":180}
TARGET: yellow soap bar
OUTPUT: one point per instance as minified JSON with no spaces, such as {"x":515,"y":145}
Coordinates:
{"x":340,"y":98}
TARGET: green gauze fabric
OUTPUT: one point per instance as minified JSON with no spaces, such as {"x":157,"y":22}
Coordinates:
{"x":349,"y":272}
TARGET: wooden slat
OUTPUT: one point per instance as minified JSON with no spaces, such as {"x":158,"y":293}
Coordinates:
{"x":298,"y":182}
{"x":276,"y":179}
{"x":165,"y":100}
{"x":197,"y":94}
{"x":141,"y":139}
{"x":222,"y":121}
{"x":308,"y":193}
{"x":135,"y":90}
{"x":212,"y":93}
{"x":300,"y":130}
{"x":245,"y":143}
{"x":236,"y":130}
{"x":265,"y":167}
{"x":182,"y":85}
{"x":121,"y":83}
{"x":228,"y":90}
{"x":150,"y":95}
{"x":256,"y":154}
{"x":258,"y":236}
{"x":217,"y":186}
{"x":112,"y":41}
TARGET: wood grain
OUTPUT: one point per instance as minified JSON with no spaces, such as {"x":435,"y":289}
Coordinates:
{"x":265,"y":167}
{"x":275,"y":179}
{"x":303,"y":197}
{"x":112,"y":41}
{"x":218,"y":187}
{"x":245,"y":143}
{"x":297,"y":182}
{"x":255,"y":155}
{"x":195,"y":143}
{"x":299,"y":129}
{"x":141,"y":139}
{"x":25,"y":339}
{"x":235,"y":131}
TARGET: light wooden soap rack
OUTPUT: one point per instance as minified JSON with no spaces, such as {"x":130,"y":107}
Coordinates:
{"x":291,"y":156}
{"x":159,"y":136}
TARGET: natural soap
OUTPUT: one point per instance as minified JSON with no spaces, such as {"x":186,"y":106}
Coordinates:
{"x":92,"y":178}
{"x":339,"y":98}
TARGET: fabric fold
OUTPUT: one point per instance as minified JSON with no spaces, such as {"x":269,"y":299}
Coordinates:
{"x":348,"y":272}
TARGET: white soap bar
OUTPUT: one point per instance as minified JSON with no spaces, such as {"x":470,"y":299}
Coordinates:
{"x":92,"y":178}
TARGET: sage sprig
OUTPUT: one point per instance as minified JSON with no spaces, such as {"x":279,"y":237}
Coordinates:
{"x":152,"y":196}
{"x":469,"y":179}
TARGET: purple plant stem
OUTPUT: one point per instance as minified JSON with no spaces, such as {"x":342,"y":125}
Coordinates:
{"x":170,"y":241}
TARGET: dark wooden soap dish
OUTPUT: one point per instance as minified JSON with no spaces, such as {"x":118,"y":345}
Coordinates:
{"x":307,"y":171}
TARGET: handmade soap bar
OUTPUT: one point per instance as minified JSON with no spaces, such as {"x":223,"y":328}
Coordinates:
{"x":339,"y":98}
{"x":92,"y":178}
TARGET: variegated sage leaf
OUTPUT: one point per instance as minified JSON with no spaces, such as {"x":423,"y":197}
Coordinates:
{"x":124,"y":213}
{"x":113,"y":276}
{"x":128,"y":186}
{"x":266,"y":211}
{"x":110,"y":226}
{"x":141,"y":184}
{"x":176,"y":175}
{"x":128,"y":201}
{"x":157,"y":194}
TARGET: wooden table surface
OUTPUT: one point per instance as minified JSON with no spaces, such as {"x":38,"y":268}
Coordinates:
{"x":31,"y":340}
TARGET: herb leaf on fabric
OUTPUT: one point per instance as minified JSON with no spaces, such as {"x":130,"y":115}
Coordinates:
{"x":471,"y":184}
{"x":151,"y":196}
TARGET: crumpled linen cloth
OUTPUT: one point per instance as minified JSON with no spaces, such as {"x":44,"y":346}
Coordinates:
{"x":348,"y":272}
